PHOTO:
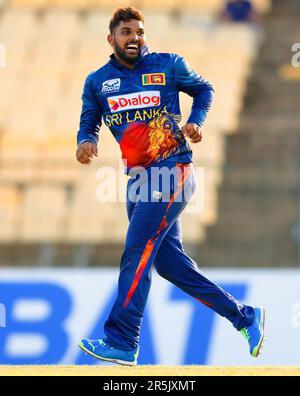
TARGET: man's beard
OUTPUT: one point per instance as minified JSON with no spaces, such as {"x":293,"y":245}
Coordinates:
{"x":128,"y":59}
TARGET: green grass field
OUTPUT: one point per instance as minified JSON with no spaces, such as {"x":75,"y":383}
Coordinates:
{"x":147,"y":371}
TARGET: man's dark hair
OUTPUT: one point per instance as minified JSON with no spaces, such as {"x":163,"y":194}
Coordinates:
{"x":124,"y":14}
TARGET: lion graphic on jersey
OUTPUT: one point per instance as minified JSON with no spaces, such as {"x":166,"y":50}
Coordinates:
{"x":162,"y":137}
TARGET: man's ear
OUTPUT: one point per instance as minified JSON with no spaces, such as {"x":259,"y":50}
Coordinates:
{"x":110,"y":39}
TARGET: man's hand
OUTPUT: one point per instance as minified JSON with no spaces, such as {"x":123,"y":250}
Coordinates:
{"x":85,"y":152}
{"x":193,"y":131}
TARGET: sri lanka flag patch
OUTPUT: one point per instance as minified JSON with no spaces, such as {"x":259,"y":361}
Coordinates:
{"x":154,"y":79}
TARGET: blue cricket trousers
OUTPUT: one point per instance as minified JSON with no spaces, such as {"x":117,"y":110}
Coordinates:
{"x":154,"y":237}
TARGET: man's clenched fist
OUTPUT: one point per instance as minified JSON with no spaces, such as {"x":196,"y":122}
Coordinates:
{"x":193,"y":131}
{"x":85,"y":152}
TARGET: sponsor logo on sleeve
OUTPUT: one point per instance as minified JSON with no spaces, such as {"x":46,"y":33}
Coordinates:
{"x":113,"y":85}
{"x":135,"y":100}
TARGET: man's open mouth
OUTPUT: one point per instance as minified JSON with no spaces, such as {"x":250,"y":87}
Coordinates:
{"x":132,"y":49}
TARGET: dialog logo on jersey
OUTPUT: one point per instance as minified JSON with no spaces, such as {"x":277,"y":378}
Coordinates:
{"x":135,"y":100}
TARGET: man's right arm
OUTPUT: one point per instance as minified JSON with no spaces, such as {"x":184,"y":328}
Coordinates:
{"x":90,"y":123}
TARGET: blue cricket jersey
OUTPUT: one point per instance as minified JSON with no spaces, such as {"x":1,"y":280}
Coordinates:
{"x":141,"y":108}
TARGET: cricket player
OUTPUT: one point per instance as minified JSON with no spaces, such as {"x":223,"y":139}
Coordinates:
{"x":136,"y":94}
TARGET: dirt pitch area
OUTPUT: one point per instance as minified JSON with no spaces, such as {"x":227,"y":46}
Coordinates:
{"x":147,"y":371}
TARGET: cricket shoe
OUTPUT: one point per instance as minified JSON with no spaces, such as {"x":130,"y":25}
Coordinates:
{"x":101,"y":350}
{"x":255,"y":334}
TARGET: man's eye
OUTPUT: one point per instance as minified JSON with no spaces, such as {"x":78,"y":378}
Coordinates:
{"x":141,"y":33}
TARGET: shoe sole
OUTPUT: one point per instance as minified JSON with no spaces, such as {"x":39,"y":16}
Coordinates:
{"x":122,"y":362}
{"x":258,"y":348}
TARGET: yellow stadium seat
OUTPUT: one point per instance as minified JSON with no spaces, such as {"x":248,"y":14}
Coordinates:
{"x":71,"y":4}
{"x":16,"y":40}
{"x":18,"y":172}
{"x":10,"y":200}
{"x":43,"y":216}
{"x":86,"y":220}
{"x":159,"y":5}
{"x":30,"y":3}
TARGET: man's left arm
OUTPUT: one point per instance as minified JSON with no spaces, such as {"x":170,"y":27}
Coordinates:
{"x":201,"y":90}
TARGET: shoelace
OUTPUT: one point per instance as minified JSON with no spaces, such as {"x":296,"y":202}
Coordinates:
{"x":102,"y":343}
